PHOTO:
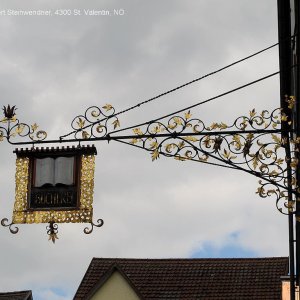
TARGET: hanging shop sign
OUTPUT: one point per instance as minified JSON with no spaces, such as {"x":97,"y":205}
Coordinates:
{"x":54,"y":185}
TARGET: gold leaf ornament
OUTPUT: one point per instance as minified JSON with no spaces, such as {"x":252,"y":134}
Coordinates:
{"x":20,"y":128}
{"x":188,"y":115}
{"x":85,"y":135}
{"x":155,"y":154}
{"x":177,"y":120}
{"x":156,"y":129}
{"x":80,"y":122}
{"x":223,"y":126}
{"x":137,"y":131}
{"x":255,"y":162}
{"x":34,"y":127}
{"x":252,"y":113}
{"x":227,"y":155}
{"x":284,"y":117}
{"x":53,"y":237}
{"x":236,"y":138}
{"x":291,"y":101}
{"x":214,"y":126}
{"x":116,"y":123}
{"x":153,"y":145}
{"x":181,"y":145}
{"x":107,"y":107}
{"x":134,"y":141}
{"x":276,"y":139}
{"x":260,"y":191}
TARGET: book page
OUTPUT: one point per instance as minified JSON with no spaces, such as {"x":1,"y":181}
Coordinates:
{"x":64,"y":170}
{"x":44,"y":171}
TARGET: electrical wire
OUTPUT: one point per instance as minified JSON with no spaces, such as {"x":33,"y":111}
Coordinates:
{"x":207,"y":75}
{"x":200,"y":103}
{"x":197,"y":79}
{"x":188,"y":83}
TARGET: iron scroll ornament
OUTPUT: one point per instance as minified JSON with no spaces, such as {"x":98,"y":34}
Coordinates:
{"x":255,"y":143}
{"x":94,"y":123}
{"x":15,"y":128}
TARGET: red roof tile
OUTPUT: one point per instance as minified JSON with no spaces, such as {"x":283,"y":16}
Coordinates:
{"x":230,"y":278}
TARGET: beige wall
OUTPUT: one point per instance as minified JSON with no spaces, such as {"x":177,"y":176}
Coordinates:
{"x":115,"y":288}
{"x":286,"y":291}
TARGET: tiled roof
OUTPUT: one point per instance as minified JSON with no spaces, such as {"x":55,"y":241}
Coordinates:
{"x":230,"y":278}
{"x":22,"y":295}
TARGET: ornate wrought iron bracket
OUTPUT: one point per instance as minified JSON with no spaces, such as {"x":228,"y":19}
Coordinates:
{"x":259,"y":144}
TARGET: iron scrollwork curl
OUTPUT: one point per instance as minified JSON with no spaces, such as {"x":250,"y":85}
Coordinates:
{"x":99,"y":224}
{"x":4,"y":222}
{"x":94,"y":123}
{"x":11,"y":127}
{"x":254,"y":143}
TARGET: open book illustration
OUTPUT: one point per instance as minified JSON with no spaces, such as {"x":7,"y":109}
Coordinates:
{"x":54,"y":171}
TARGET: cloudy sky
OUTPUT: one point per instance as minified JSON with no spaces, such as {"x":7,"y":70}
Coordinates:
{"x":54,"y":67}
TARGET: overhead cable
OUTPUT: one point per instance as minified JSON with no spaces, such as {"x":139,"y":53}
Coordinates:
{"x":202,"y":102}
{"x":195,"y":80}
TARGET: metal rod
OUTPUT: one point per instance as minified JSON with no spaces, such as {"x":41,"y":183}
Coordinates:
{"x":141,"y":136}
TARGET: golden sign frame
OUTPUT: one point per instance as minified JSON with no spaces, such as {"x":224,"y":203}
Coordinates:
{"x":21,"y":215}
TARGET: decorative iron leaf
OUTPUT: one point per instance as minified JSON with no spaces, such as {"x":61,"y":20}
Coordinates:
{"x":177,"y":120}
{"x":107,"y":107}
{"x":156,"y":129}
{"x":155,"y":154}
{"x":276,"y":138}
{"x":255,"y":162}
{"x":20,"y":129}
{"x":137,"y":131}
{"x":252,"y":113}
{"x":153,"y":145}
{"x":34,"y":127}
{"x":188,"y":115}
{"x":116,"y":123}
{"x":223,"y":126}
{"x":85,"y":135}
{"x":80,"y":122}
{"x":134,"y":141}
{"x":181,"y":145}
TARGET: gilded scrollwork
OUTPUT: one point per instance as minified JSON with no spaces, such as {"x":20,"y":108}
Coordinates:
{"x":255,"y":143}
{"x":94,"y":123}
{"x":11,"y":127}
